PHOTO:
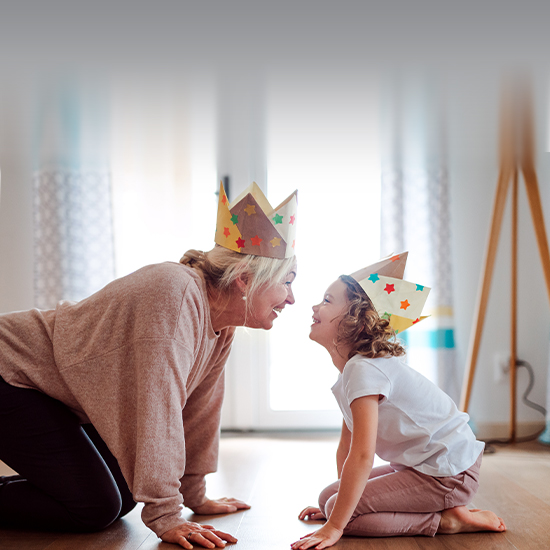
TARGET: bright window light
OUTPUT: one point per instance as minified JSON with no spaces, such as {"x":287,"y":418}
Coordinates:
{"x":333,"y":161}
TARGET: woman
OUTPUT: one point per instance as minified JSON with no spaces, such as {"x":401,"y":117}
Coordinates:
{"x":117,"y":398}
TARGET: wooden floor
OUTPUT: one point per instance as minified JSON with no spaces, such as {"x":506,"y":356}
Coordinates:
{"x":279,"y":474}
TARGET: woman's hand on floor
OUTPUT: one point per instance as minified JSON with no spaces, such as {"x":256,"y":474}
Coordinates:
{"x":220,"y":506}
{"x":190,"y":533}
{"x":323,"y":538}
{"x":311,"y":514}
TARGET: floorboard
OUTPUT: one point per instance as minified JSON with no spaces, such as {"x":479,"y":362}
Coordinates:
{"x":281,"y":473}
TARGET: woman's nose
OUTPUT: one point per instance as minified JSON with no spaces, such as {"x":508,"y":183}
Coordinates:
{"x":290,"y":296}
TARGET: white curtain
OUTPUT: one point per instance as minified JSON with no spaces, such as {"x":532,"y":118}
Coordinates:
{"x":415,"y":217}
{"x":164,"y":180}
{"x":73,"y":236}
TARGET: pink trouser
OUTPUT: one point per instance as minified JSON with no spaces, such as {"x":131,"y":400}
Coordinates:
{"x":404,"y":502}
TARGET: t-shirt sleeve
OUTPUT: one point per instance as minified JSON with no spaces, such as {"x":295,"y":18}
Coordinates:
{"x":362,"y":378}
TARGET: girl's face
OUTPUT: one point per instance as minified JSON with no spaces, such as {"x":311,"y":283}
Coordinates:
{"x":327,"y":315}
{"x":269,"y":301}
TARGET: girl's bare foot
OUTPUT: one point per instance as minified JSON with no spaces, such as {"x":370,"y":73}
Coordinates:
{"x":463,"y":520}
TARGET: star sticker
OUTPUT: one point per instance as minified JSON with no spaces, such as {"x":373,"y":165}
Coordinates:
{"x":374,"y":277}
{"x":250,"y":209}
{"x":292,"y":219}
{"x":293,"y":243}
{"x":419,"y":287}
{"x":390,"y":288}
{"x":386,"y":315}
{"x":235,"y":219}
{"x":224,"y":199}
{"x":256,"y":240}
{"x":394,"y":258}
{"x":416,"y":321}
{"x":278,"y":219}
{"x":240,"y":242}
{"x":275,"y":241}
{"x":226,"y":231}
{"x":405,"y":304}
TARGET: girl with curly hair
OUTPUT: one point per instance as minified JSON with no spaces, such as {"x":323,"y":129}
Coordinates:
{"x":391,"y":410}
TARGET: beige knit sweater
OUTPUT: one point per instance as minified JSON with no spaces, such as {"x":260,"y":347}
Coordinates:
{"x":139,"y":360}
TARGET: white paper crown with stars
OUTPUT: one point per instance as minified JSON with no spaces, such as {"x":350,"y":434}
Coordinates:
{"x":399,"y":301}
{"x":250,"y":225}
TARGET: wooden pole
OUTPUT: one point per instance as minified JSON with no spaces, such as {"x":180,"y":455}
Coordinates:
{"x":483,"y":293}
{"x":513,"y":308}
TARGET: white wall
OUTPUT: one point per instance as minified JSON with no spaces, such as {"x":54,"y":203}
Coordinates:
{"x":473,"y":135}
{"x":470,"y":44}
{"x":16,"y":254}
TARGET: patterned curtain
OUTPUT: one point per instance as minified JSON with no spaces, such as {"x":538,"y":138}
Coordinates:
{"x":73,"y":237}
{"x":415,"y":217}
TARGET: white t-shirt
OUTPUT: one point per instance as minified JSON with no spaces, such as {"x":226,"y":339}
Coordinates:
{"x":419,"y":425}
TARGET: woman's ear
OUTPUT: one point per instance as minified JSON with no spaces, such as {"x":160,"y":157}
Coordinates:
{"x":242,"y":283}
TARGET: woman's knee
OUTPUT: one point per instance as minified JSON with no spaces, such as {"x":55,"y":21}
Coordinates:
{"x":97,"y":514}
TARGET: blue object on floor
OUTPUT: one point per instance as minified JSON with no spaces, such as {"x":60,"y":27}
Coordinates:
{"x":544,"y":437}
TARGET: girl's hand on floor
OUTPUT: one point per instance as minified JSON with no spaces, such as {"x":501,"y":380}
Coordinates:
{"x":311,"y":514}
{"x":220,"y":506}
{"x":323,"y":538}
{"x":190,"y":533}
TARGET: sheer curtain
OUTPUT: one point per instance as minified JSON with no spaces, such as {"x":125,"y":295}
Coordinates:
{"x":73,"y":235}
{"x":415,"y":217}
{"x":164,"y":174}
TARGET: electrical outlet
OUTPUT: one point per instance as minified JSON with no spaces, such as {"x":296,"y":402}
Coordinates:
{"x":501,"y":367}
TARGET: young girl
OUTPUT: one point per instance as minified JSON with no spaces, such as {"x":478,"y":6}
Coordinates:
{"x":393,"y":411}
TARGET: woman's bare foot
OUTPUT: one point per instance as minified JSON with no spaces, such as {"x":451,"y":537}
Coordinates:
{"x":463,"y":520}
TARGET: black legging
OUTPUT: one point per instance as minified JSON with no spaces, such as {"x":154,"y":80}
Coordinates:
{"x":68,"y":479}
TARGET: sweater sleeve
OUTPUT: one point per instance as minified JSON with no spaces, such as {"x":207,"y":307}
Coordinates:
{"x":201,"y":421}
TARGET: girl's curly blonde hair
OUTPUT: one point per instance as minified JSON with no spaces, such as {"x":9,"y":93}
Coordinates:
{"x":362,"y":328}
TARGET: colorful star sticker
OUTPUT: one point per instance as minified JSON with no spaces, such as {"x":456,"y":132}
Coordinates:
{"x":240,"y":242}
{"x":389,"y":288}
{"x":293,"y":243}
{"x":292,"y":219}
{"x":275,"y":241}
{"x":374,"y":277}
{"x":250,"y":209}
{"x":420,"y":287}
{"x":405,"y":304}
{"x":394,"y":258}
{"x":226,"y":231}
{"x":386,"y":315}
{"x":235,"y":219}
{"x":224,"y":199}
{"x":278,"y":219}
{"x":416,"y":321}
{"x":256,"y":240}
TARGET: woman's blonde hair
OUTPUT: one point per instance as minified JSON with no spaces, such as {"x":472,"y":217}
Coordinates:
{"x":221,"y":267}
{"x":362,"y":328}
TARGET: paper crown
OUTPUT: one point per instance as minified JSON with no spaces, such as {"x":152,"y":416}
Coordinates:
{"x":250,"y":225}
{"x":399,"y":301}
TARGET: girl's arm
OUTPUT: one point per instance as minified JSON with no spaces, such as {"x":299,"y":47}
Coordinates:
{"x":355,"y":474}
{"x":343,"y":448}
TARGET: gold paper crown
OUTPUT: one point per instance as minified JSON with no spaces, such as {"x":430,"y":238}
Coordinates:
{"x":399,"y":301}
{"x":250,"y":225}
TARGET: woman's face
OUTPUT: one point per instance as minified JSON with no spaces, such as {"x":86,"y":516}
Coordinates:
{"x":269,"y":301}
{"x":328,"y":313}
